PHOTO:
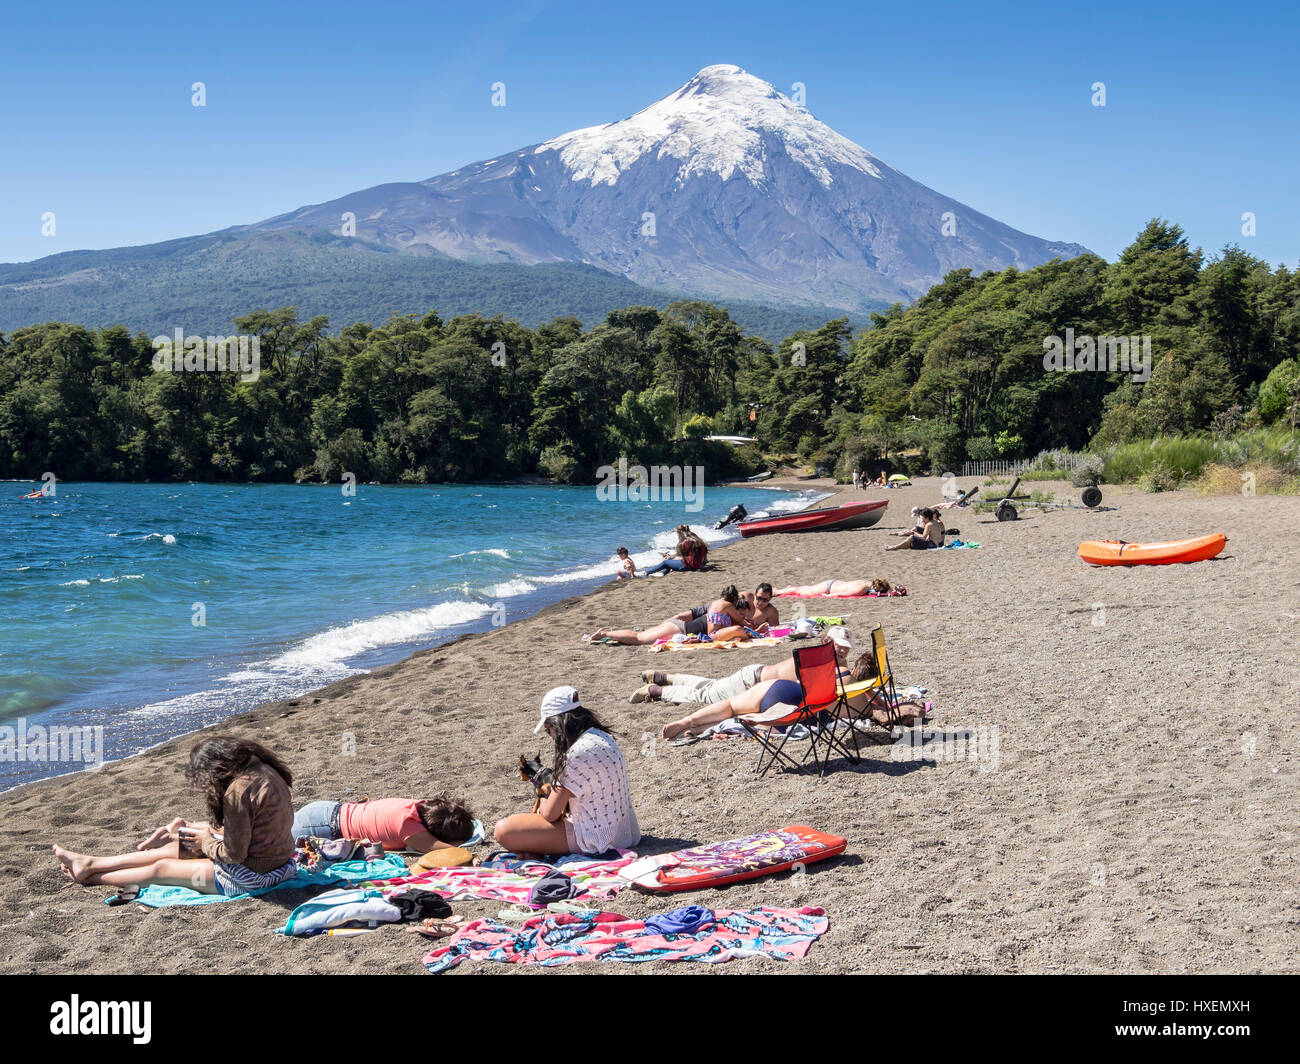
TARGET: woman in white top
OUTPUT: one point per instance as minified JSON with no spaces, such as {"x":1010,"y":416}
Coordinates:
{"x":589,"y":807}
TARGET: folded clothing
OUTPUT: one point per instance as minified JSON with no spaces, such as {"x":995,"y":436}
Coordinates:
{"x":572,"y":938}
{"x":684,"y":921}
{"x":367,"y":907}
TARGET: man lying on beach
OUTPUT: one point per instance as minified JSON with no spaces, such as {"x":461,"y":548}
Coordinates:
{"x":761,"y":611}
{"x":683,"y":687}
{"x":246,"y":845}
{"x":395,"y":823}
{"x":770,"y":693}
{"x":723,"y":618}
{"x":838,"y":589}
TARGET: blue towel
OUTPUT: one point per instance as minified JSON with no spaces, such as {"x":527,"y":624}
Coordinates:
{"x":389,"y":867}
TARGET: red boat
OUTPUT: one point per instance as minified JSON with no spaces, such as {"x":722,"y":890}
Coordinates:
{"x":854,"y":515}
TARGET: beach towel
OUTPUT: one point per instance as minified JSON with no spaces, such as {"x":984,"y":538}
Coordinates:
{"x":893,"y":592}
{"x":572,"y":938}
{"x":695,"y":643}
{"x":372,"y":906}
{"x":515,"y":877}
{"x":959,"y":544}
{"x":387,"y":867}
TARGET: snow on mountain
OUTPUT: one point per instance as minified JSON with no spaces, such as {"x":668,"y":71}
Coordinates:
{"x":712,"y":125}
{"x":724,"y":188}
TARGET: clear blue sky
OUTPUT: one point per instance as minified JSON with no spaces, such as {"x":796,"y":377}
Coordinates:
{"x":986,"y":102}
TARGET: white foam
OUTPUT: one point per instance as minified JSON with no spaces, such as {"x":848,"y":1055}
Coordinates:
{"x":509,"y":588}
{"x":337,"y":644}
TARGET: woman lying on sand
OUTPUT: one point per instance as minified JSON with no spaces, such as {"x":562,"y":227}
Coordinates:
{"x":839,"y":588}
{"x":589,"y":808}
{"x":246,"y":788}
{"x":723,"y":618}
{"x":769,"y":693}
{"x":683,"y":687}
{"x":395,"y":823}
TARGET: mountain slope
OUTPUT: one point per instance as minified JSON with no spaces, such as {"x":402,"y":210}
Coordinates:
{"x":201,"y":284}
{"x":724,"y":188}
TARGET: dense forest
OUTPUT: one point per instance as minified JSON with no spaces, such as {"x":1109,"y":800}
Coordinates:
{"x":959,"y":374}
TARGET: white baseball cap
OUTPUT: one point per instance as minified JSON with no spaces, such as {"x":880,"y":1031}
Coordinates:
{"x":556,"y":701}
{"x":840,"y":634}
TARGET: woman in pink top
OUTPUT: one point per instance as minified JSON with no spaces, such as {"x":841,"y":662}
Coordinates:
{"x":396,"y":823}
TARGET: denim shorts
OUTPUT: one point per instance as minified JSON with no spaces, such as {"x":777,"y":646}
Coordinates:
{"x":319,"y":820}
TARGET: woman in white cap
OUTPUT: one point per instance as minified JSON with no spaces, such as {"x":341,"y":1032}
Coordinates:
{"x":589,"y":809}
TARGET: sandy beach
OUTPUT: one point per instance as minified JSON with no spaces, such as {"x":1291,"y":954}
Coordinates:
{"x":1132,"y":808}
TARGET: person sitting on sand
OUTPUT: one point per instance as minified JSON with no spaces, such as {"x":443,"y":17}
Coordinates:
{"x":762,"y":614}
{"x":764,"y":696}
{"x":689,"y":555}
{"x":838,"y":588}
{"x":683,"y":687}
{"x":589,"y":808}
{"x":719,"y":615}
{"x":930,"y":536}
{"x":396,"y":823}
{"x":246,"y":845}
{"x":627,"y":567}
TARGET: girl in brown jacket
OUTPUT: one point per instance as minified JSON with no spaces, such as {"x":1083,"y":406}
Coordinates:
{"x":245,"y":845}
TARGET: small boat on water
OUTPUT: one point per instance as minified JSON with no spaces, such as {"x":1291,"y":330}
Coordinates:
{"x":1118,"y":552}
{"x":839,"y":518}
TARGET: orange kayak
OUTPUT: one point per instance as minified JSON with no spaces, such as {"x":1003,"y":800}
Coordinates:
{"x":1117,"y":552}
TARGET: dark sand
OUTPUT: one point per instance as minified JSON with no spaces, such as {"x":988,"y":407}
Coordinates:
{"x":1141,"y":814}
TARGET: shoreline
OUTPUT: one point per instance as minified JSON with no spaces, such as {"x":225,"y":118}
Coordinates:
{"x":949,"y":867}
{"x":479,"y":626}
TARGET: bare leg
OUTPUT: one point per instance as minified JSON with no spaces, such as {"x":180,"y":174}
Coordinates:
{"x":531,"y":833}
{"x":630,"y":637}
{"x":196,"y":874}
{"x":81,"y":866}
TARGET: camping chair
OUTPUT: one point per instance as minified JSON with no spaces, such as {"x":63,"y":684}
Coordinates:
{"x":819,"y":676}
{"x":880,"y":687}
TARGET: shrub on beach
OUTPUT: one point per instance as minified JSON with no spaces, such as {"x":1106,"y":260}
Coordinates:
{"x":1158,"y":477}
{"x":1088,"y":470}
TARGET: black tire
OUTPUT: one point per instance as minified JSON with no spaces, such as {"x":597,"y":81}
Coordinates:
{"x":1092,"y":497}
{"x":1007,"y":512}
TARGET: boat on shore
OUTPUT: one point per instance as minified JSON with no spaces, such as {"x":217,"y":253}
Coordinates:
{"x":1119,"y":552}
{"x":838,"y":518}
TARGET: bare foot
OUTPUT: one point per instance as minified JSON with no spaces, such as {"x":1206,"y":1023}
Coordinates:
{"x":674,"y":729}
{"x":76,"y":866}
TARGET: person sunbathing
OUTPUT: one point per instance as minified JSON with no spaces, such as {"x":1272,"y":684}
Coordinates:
{"x":762,"y":614}
{"x":723,"y":618}
{"x":927,"y":538}
{"x":770,"y":693}
{"x":395,"y":823}
{"x":589,"y":806}
{"x":246,"y":844}
{"x":683,"y":687}
{"x":838,"y":588}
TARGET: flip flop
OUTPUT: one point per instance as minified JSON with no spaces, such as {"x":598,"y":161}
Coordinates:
{"x":687,"y":740}
{"x":122,"y":897}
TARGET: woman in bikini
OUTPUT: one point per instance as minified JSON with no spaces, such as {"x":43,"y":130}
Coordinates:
{"x":838,"y":588}
{"x":722,"y":615}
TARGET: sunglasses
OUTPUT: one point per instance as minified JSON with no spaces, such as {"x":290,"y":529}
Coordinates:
{"x":760,"y":598}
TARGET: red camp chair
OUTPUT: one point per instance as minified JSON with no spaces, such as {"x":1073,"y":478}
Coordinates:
{"x":823,"y":697}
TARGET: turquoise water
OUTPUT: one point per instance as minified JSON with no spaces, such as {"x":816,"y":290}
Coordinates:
{"x":154,"y":609}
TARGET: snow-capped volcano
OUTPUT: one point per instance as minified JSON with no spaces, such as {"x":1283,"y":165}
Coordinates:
{"x":712,"y":125}
{"x":724,"y":188}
